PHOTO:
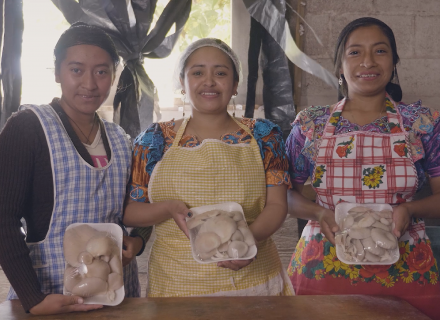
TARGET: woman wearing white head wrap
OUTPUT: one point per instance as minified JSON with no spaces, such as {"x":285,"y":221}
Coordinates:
{"x":208,"y":158}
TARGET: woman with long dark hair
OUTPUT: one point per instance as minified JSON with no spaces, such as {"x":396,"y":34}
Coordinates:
{"x":368,"y":148}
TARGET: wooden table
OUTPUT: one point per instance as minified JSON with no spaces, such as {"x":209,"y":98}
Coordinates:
{"x":352,"y":307}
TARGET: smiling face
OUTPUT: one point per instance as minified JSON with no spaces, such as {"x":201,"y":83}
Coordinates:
{"x":209,"y":80}
{"x":367,"y":62}
{"x":85,"y":75}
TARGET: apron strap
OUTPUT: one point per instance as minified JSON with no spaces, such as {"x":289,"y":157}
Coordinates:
{"x":182,"y":128}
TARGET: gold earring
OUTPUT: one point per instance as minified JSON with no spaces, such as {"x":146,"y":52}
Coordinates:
{"x":183,"y":99}
{"x":233,"y":104}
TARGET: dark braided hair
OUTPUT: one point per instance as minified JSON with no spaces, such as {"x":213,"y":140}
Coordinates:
{"x":81,"y":33}
{"x":393,"y":87}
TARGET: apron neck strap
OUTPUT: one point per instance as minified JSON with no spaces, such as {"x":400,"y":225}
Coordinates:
{"x":182,"y":128}
{"x":394,"y":119}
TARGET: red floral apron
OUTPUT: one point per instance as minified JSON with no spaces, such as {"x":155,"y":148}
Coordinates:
{"x":366,"y":167}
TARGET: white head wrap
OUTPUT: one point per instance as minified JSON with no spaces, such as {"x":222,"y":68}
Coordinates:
{"x":205,"y":42}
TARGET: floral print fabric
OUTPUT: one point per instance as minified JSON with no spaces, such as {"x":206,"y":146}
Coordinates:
{"x":150,"y":146}
{"x":421,"y":122}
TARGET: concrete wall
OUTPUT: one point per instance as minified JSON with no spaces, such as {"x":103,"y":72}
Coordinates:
{"x":416,"y":25}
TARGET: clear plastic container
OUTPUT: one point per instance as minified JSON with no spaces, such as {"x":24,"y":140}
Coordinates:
{"x":365,"y":234}
{"x":219,"y":232}
{"x":93,"y":254}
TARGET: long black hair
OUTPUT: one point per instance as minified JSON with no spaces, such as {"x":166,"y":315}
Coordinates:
{"x":82,"y":33}
{"x":393,"y":87}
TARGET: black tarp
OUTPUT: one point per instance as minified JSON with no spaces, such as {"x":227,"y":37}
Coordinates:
{"x":11,"y":36}
{"x":134,"y":101}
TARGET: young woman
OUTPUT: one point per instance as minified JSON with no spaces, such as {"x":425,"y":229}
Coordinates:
{"x":207,"y":159}
{"x":61,"y":164}
{"x":391,"y":146}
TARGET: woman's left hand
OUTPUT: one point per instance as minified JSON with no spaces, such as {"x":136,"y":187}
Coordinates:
{"x":401,"y":218}
{"x":235,"y":264}
{"x":132,"y":246}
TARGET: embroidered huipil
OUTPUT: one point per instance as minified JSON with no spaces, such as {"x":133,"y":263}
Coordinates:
{"x":214,"y":171}
{"x":82,"y":193}
{"x":382,"y":163}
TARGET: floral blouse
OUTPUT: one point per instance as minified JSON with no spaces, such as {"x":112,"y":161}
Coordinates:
{"x":421,"y":122}
{"x":150,"y":146}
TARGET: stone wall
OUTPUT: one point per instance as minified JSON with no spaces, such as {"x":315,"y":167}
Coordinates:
{"x":416,"y":25}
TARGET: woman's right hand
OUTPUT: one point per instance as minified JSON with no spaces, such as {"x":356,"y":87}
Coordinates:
{"x":328,"y":223}
{"x":58,"y":303}
{"x":179,"y":211}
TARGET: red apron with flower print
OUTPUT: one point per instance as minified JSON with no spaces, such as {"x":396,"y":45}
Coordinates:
{"x":366,"y":167}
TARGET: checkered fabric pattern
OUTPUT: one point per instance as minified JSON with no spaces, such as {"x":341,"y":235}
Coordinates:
{"x":365,"y":167}
{"x":82,"y":194}
{"x":211,"y":173}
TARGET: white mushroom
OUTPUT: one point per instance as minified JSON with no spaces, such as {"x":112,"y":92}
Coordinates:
{"x":223,"y":247}
{"x":237,"y":236}
{"x":371,"y":257}
{"x":90,"y":287}
{"x":75,"y":240}
{"x":206,"y":242}
{"x":237,"y":249}
{"x":359,"y":233}
{"x":198,"y":219}
{"x":380,"y":225}
{"x":102,"y":245}
{"x":98,"y":269}
{"x":115,"y":281}
{"x":348,"y":222}
{"x":384,"y":238}
{"x":222,"y":225}
{"x":236,"y":215}
{"x":115,"y":264}
{"x":359,"y":209}
{"x":247,"y":235}
{"x":85,"y":257}
{"x":366,"y":221}
{"x":360,"y":253}
{"x":71,"y":278}
{"x":371,"y":246}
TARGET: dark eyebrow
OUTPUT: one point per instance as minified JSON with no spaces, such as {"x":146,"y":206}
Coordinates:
{"x":81,"y":64}
{"x":216,"y":66}
{"x":375,"y":44}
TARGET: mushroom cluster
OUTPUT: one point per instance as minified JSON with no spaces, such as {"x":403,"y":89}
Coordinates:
{"x":93,"y":264}
{"x":220,"y":235}
{"x":366,"y":236}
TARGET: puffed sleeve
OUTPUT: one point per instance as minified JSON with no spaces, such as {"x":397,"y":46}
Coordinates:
{"x":428,"y":128}
{"x":270,"y":140}
{"x":147,"y":152}
{"x":299,"y":165}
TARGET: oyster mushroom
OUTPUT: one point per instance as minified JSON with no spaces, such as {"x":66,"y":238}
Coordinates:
{"x":371,"y":257}
{"x":207,"y":242}
{"x":384,"y":238}
{"x":380,"y":225}
{"x":247,"y":236}
{"x":370,"y":245}
{"x":115,"y":281}
{"x":223,"y":247}
{"x":235,"y":215}
{"x":237,"y":249}
{"x":85,"y":257}
{"x":115,"y":264}
{"x":358,"y":209}
{"x":102,"y":245}
{"x":348,"y":222}
{"x":366,"y":221}
{"x":98,"y":269}
{"x":360,"y":252}
{"x":89,"y":287}
{"x":71,"y":278}
{"x":197,"y":220}
{"x":237,"y":236}
{"x":222,"y":225}
{"x":207,"y":255}
{"x":75,"y":240}
{"x":359,"y":233}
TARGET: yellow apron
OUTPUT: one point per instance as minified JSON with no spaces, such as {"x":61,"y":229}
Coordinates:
{"x":210,"y":173}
